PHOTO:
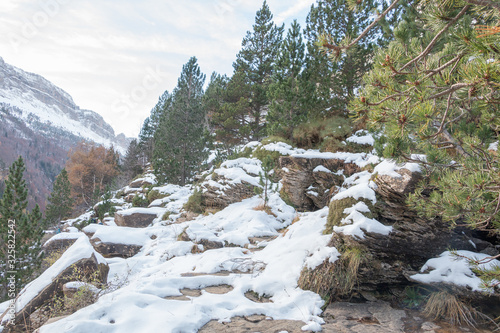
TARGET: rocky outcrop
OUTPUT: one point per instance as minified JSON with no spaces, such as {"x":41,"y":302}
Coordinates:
{"x":135,"y":217}
{"x":80,"y":257}
{"x":380,"y":261}
{"x":309,"y":183}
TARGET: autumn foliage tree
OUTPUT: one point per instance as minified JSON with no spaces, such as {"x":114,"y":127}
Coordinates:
{"x":90,"y":170}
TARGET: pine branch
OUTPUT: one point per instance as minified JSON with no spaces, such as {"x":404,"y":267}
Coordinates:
{"x":436,"y":38}
{"x":486,"y":3}
{"x":364,"y":33}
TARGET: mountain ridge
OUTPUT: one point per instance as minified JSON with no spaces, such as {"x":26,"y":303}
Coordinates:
{"x":40,"y":122}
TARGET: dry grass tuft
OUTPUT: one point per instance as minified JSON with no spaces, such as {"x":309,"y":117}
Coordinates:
{"x":443,"y":305}
{"x":265,"y":208}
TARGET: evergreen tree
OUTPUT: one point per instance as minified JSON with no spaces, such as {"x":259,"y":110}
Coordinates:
{"x":149,"y":128}
{"x":290,"y":92}
{"x":60,"y":201}
{"x":256,"y":60}
{"x":21,"y":232}
{"x":229,"y":119}
{"x":132,"y":165}
{"x":337,"y":81}
{"x":179,"y":140}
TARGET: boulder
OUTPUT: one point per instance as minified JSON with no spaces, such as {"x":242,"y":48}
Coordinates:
{"x":141,"y":182}
{"x":135,"y":217}
{"x":61,"y":241}
{"x":114,"y":250}
{"x":309,"y":183}
{"x":81,"y":256}
{"x":215,"y":198}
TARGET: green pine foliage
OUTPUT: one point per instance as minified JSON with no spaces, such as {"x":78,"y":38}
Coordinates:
{"x":290,"y":92}
{"x":60,"y":200}
{"x":19,"y":254}
{"x":256,"y":63}
{"x":332,"y":22}
{"x":179,"y":141}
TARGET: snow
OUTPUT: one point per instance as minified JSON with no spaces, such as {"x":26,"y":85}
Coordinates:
{"x":493,"y":146}
{"x":361,"y":187}
{"x":454,"y":269}
{"x":166,"y":265}
{"x":360,"y":159}
{"x":158,"y":211}
{"x":355,"y":222}
{"x":241,"y":170}
{"x":362,"y":137}
{"x":81,"y":249}
{"x":390,"y":168}
{"x":283,"y":148}
{"x":120,"y":235}
{"x":321,"y":168}
{"x":63,"y":236}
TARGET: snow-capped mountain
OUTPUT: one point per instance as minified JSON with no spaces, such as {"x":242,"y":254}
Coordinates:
{"x":41,"y":123}
{"x":43,"y":107}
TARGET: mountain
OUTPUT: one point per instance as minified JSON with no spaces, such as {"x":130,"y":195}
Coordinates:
{"x":41,"y":122}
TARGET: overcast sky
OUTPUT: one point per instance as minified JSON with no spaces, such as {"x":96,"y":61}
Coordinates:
{"x":116,"y":57}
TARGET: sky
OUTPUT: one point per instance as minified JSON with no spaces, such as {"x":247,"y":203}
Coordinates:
{"x":116,"y":57}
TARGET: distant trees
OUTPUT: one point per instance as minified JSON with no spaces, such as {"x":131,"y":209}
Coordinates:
{"x":179,"y":145}
{"x":91,"y":169}
{"x":20,"y":232}
{"x":60,"y":200}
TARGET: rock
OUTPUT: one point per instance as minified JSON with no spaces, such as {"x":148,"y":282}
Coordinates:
{"x":255,"y":323}
{"x":81,"y":256}
{"x":217,"y":198}
{"x":371,"y":317}
{"x":61,"y":241}
{"x":307,"y":188}
{"x":114,"y":250}
{"x":135,"y":217}
{"x":141,"y":182}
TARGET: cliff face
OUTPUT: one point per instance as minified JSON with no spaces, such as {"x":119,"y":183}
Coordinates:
{"x":43,"y":105}
{"x":41,"y":122}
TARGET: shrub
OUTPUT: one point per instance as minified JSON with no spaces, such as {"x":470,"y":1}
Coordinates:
{"x":275,"y":138}
{"x":140,"y":201}
{"x":312,"y":134}
{"x":194,"y":203}
{"x":155,"y":194}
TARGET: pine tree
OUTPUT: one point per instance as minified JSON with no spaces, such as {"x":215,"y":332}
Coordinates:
{"x":179,"y":141}
{"x":150,"y":126}
{"x":229,"y":119}
{"x":24,"y":256}
{"x":256,"y":60}
{"x":132,"y":165}
{"x":60,"y":201}
{"x":290,"y":92}
{"x":337,"y":81}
